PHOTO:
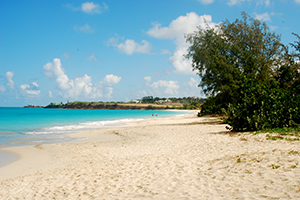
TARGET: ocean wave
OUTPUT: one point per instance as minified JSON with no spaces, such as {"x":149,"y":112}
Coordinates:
{"x":67,"y":129}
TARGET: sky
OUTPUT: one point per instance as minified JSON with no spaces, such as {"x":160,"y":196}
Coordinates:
{"x":114,"y":50}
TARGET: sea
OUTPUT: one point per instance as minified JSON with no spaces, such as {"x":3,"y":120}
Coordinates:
{"x":30,"y":126}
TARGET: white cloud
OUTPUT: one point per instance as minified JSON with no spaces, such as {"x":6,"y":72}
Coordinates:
{"x":111,"y":80}
{"x":171,"y":87}
{"x":165,"y":51}
{"x":181,"y":64}
{"x":147,"y":78}
{"x":161,"y":87}
{"x":193,"y":82}
{"x":24,"y":86}
{"x":89,"y":7}
{"x":9,"y":75}
{"x":92,"y":57}
{"x":81,"y":87}
{"x":2,"y":88}
{"x":206,"y":1}
{"x":50,"y":94}
{"x":264,"y":16}
{"x":92,"y":8}
{"x":85,"y":28}
{"x":233,"y":2}
{"x":70,"y":6}
{"x":297,"y":1}
{"x":35,"y":84}
{"x":55,"y":70}
{"x":130,"y":46}
{"x":30,"y":91}
{"x":266,"y":2}
{"x":176,"y":31}
{"x":258,"y":2}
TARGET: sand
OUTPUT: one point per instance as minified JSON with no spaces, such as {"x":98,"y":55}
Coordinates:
{"x":176,"y":158}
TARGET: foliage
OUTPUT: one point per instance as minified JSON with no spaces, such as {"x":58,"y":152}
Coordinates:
{"x":150,"y":107}
{"x":247,"y":74}
{"x":225,"y":55}
{"x":264,"y":106}
{"x":148,"y":99}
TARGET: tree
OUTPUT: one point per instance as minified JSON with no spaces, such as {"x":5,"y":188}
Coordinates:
{"x":226,"y":55}
{"x":247,"y":74}
{"x":147,"y":99}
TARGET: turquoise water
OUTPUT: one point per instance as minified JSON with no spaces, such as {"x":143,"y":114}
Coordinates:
{"x":30,"y":126}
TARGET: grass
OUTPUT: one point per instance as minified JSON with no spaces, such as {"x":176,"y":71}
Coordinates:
{"x":289,"y":134}
{"x":293,"y":152}
{"x":275,"y":166}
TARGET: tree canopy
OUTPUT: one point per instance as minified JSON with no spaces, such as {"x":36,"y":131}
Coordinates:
{"x":242,"y":66}
{"x":225,"y":54}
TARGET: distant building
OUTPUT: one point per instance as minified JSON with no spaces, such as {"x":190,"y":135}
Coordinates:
{"x":135,"y":101}
{"x":164,"y":101}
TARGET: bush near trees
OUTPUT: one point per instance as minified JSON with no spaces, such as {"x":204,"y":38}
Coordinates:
{"x":248,"y":74}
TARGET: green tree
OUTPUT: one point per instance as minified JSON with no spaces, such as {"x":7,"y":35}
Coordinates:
{"x":147,"y":99}
{"x":226,"y":55}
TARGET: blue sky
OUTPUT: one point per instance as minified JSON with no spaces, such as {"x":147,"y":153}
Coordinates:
{"x":58,"y":50}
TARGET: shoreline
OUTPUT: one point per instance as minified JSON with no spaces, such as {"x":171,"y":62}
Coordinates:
{"x":55,"y":132}
{"x":12,"y":154}
{"x":184,"y":157}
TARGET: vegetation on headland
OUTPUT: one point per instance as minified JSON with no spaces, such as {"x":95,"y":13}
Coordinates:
{"x":247,"y":74}
{"x":146,"y":103}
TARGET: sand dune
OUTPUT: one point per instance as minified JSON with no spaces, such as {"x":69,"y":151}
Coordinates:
{"x":176,"y":158}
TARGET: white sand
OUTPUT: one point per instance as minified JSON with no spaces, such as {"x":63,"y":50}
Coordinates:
{"x":177,"y":158}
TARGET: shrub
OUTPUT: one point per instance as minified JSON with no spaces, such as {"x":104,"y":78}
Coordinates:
{"x":264,"y":106}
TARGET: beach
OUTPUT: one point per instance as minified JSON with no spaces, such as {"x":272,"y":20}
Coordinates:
{"x":184,"y":157}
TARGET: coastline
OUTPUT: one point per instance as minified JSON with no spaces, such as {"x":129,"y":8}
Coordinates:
{"x":182,"y":157}
{"x":52,"y":125}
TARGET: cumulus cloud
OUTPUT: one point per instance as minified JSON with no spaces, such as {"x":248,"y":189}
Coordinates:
{"x":55,"y":69}
{"x":264,"y":16}
{"x":30,"y":91}
{"x":111,"y":80}
{"x":171,"y":87}
{"x":50,"y":94}
{"x":130,"y":46}
{"x":147,"y":80}
{"x":9,"y":75}
{"x":161,"y":87}
{"x":193,"y":82}
{"x":2,"y":88}
{"x":89,"y":7}
{"x":93,"y":8}
{"x":80,"y":87}
{"x":176,"y":31}
{"x":85,"y":28}
{"x":206,"y":1}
